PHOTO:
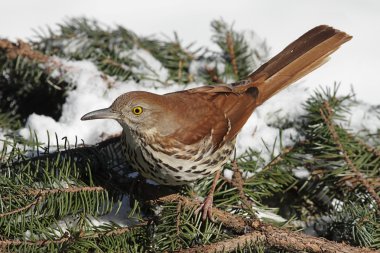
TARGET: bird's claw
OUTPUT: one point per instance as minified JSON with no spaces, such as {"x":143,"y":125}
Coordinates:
{"x":206,"y":208}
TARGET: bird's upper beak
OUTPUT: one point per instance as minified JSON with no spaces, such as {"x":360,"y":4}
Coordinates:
{"x":106,"y":113}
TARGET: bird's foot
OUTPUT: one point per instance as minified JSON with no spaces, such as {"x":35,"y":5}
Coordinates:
{"x":206,"y":208}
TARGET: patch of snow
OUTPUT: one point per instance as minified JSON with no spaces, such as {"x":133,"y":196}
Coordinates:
{"x":133,"y":175}
{"x":227,"y":173}
{"x":362,"y":116}
{"x":120,"y":214}
{"x":258,"y":133}
{"x":150,"y":67}
{"x":2,"y":139}
{"x":337,"y":204}
{"x":266,"y":214}
{"x":73,"y":45}
{"x":301,"y":173}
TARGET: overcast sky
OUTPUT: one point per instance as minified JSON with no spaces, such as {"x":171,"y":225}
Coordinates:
{"x":357,"y":63}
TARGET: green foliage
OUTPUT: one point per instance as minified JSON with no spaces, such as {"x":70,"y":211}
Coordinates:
{"x":238,"y":57}
{"x":22,"y":85}
{"x":61,"y":199}
{"x":178,"y":227}
{"x":174,"y":56}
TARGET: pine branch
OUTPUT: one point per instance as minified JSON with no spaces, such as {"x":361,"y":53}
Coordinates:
{"x":231,"y":51}
{"x":40,"y":194}
{"x":271,"y":236}
{"x":368,"y":147}
{"x":67,"y":237}
{"x":230,"y":245}
{"x":328,"y":121}
{"x":7,"y":243}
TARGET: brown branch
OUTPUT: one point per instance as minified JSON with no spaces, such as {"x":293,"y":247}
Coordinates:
{"x":37,"y":200}
{"x":22,"y":49}
{"x":264,"y":233}
{"x":231,"y":51}
{"x":360,"y":177}
{"x":6,"y":243}
{"x":238,"y":182}
{"x":254,"y":238}
{"x":41,"y":194}
{"x":179,"y":74}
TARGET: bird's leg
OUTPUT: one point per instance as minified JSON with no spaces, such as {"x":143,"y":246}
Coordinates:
{"x":206,"y":206}
{"x":133,"y":189}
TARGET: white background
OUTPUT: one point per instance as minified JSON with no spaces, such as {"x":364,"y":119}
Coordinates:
{"x":279,"y":22}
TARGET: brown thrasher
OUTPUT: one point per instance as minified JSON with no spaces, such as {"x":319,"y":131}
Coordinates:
{"x":180,"y":137}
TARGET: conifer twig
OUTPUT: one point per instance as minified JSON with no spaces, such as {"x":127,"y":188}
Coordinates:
{"x":264,"y":233}
{"x":231,"y":51}
{"x":23,"y":49}
{"x":238,"y":182}
{"x":180,"y":66}
{"x":369,"y":148}
{"x":41,"y":194}
{"x":67,"y":237}
{"x":360,"y":177}
{"x":16,"y":242}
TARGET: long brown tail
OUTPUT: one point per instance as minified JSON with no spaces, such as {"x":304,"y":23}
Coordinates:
{"x":298,"y":59}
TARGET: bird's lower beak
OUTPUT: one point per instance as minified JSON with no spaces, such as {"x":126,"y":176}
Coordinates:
{"x":106,"y":113}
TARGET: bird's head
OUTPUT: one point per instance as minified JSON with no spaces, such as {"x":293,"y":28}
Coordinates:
{"x":139,"y":111}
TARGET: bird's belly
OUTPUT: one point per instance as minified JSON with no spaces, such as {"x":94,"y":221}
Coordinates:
{"x":177,"y":169}
{"x":179,"y":166}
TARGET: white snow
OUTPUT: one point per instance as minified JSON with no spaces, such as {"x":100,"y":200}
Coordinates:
{"x":258,"y":133}
{"x":362,"y":117}
{"x":268,"y":214}
{"x":150,"y":67}
{"x":301,"y":173}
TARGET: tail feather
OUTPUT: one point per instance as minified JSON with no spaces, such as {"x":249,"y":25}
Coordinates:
{"x":301,"y":57}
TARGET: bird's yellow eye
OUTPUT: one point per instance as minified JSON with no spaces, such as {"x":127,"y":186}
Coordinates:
{"x":137,"y":110}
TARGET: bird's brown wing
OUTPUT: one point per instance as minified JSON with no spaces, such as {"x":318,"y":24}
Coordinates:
{"x":214,"y":111}
{"x":231,"y":106}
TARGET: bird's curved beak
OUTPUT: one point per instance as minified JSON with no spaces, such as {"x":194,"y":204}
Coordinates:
{"x":106,"y":113}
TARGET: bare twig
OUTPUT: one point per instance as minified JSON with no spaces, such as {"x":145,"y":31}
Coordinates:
{"x":360,"y":177}
{"x":264,"y":233}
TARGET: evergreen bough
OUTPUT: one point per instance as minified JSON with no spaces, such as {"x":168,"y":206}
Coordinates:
{"x":56,"y":198}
